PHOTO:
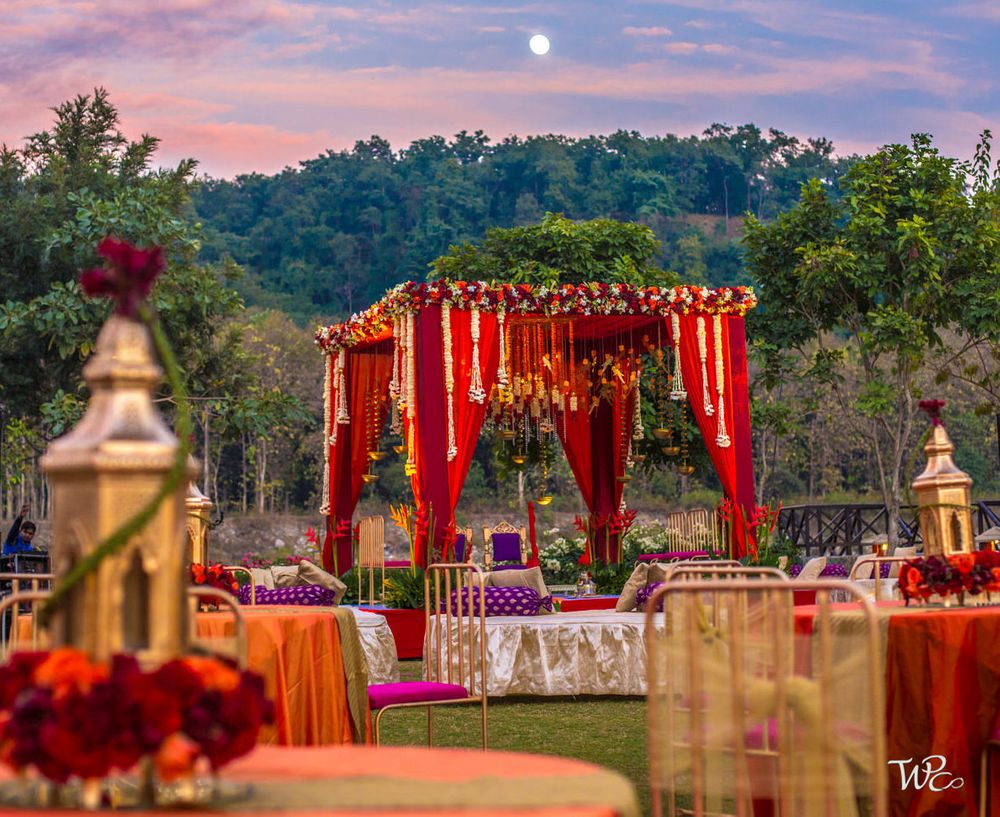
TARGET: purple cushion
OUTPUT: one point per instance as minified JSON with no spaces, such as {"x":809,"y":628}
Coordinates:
{"x":408,"y":692}
{"x":501,"y":601}
{"x":458,"y":548}
{"x":643,"y":594}
{"x":672,"y":556}
{"x":303,"y":594}
{"x":506,"y":547}
{"x":833,"y":571}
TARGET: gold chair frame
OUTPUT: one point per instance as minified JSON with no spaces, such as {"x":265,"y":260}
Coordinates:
{"x":697,"y":528}
{"x":371,"y":555}
{"x":779,"y":593}
{"x":877,"y":570}
{"x":468,"y":546}
{"x":253,"y":584}
{"x":239,"y":638}
{"x":469,"y":625}
{"x":503,"y":527}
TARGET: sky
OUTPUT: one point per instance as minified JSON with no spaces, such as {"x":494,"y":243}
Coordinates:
{"x":258,"y":85}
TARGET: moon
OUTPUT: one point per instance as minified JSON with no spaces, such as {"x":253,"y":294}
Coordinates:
{"x":539,"y":44}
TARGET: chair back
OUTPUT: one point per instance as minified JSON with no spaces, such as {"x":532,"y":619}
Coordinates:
{"x":870,"y":567}
{"x":746,"y":704}
{"x":504,"y":543}
{"x":14,"y":629}
{"x":371,"y":556}
{"x":676,"y":531}
{"x":462,"y":546}
{"x":234,"y":644}
{"x":455,"y":626}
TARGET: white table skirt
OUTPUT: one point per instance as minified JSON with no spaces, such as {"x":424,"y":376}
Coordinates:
{"x":591,"y":652}
{"x":379,"y":647}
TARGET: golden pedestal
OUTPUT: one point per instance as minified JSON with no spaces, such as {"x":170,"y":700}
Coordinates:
{"x":101,"y":474}
{"x":198,"y":508}
{"x":943,"y":498}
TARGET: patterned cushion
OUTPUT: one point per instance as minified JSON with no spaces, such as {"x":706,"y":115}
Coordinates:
{"x":307,"y":594}
{"x":643,"y":593}
{"x":308,"y":574}
{"x":501,"y":601}
{"x":506,"y":547}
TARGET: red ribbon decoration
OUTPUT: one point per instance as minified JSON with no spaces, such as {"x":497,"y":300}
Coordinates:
{"x":533,"y":560}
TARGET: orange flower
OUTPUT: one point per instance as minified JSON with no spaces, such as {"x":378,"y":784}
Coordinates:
{"x":175,"y":758}
{"x":213,"y":673}
{"x":963,"y":562}
{"x":67,"y":668}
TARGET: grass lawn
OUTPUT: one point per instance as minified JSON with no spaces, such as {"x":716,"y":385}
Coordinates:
{"x":608,"y":731}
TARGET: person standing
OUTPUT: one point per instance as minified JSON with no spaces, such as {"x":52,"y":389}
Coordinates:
{"x":20,"y":534}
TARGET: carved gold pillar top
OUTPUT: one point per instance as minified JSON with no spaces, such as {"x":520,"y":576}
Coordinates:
{"x":104,"y":471}
{"x":943,"y":496}
{"x":198,"y":508}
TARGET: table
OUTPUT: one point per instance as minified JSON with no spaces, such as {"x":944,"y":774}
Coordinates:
{"x":569,"y":604}
{"x":299,"y":652}
{"x":363,"y":781}
{"x":942,"y":696}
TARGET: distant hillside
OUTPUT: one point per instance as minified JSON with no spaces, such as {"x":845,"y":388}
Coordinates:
{"x":329,"y":237}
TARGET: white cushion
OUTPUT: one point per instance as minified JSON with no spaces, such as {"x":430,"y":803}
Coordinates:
{"x":866,"y":571}
{"x":262,"y":576}
{"x":909,"y":553}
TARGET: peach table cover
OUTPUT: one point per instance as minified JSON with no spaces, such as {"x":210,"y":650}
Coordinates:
{"x":365,"y":781}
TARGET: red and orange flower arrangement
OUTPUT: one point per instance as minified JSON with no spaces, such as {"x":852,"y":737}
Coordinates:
{"x":67,"y":716}
{"x":214,"y":576}
{"x":957,"y":574}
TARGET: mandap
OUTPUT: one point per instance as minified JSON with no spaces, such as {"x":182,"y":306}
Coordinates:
{"x":440,"y":361}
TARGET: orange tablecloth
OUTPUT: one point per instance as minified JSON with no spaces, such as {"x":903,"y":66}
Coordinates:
{"x":364,"y":781}
{"x":943,"y":698}
{"x":298,"y":652}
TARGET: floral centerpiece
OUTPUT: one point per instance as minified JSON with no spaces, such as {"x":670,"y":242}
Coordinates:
{"x":214,"y":576}
{"x":66,"y":717}
{"x":974,"y":573}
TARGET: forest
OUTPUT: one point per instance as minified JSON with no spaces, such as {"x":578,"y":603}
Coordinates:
{"x":857,"y":322}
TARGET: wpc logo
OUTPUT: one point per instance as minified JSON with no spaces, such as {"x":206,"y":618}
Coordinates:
{"x":935,"y":777}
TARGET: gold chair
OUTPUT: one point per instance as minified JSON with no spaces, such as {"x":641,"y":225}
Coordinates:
{"x":454,"y":648}
{"x":237,"y":649}
{"x":371,"y":555}
{"x":870,"y":567}
{"x":10,"y":607}
{"x":237,"y":569}
{"x":499,"y":544}
{"x":462,"y":547}
{"x":676,"y":531}
{"x":741,"y":708}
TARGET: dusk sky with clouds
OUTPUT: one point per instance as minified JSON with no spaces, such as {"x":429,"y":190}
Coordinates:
{"x":257,"y":85}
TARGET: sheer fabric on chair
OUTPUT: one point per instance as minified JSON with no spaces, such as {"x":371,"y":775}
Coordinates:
{"x":454,"y":648}
{"x":504,"y":543}
{"x":743,"y":710}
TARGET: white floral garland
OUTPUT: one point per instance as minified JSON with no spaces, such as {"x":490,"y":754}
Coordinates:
{"x":722,"y":438}
{"x":476,"y":392}
{"x":677,"y":391}
{"x":324,"y":507}
{"x":638,"y":431}
{"x":343,"y":416}
{"x":449,"y":379}
{"x":703,"y":357}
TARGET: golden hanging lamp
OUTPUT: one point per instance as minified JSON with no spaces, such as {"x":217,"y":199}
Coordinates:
{"x":638,"y":458}
{"x":670,"y":450}
{"x":662,"y":434}
{"x":507,"y":434}
{"x":624,"y":478}
{"x":375,"y":456}
{"x":518,"y":459}
{"x":544,"y":500}
{"x":685,"y":469}
{"x":399,"y":449}
{"x":369,"y":479}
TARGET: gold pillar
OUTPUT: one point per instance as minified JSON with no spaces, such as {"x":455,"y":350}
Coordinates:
{"x":943,"y":498}
{"x":198,"y":507}
{"x":101,"y":474}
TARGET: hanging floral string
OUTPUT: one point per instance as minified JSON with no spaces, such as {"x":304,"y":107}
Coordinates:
{"x":395,"y":385}
{"x":324,"y":507}
{"x":343,"y":416}
{"x":677,"y":391}
{"x":638,"y":432}
{"x":449,"y":379}
{"x":703,"y":357}
{"x":722,"y":439}
{"x":476,"y":392}
{"x":502,"y":380}
{"x":411,"y":395}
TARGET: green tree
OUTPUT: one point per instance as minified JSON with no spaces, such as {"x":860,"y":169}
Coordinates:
{"x":907,"y":253}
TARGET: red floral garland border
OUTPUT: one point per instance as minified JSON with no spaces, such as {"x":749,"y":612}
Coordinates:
{"x":525,"y":299}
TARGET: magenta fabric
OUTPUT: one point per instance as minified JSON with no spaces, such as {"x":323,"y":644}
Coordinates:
{"x":500,"y":601}
{"x":312,"y":595}
{"x":399,"y":563}
{"x":410,"y":692}
{"x":644,"y":593}
{"x":506,"y":547}
{"x":672,"y":556}
{"x":497,"y":567}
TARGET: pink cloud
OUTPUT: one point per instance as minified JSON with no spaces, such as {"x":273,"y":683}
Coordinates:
{"x":680,"y":48}
{"x":652,"y":31}
{"x":717,"y":48}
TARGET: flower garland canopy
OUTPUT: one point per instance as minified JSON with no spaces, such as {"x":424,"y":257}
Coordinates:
{"x":541,"y":363}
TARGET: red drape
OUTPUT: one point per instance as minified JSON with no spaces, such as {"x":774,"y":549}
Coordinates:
{"x":367,"y":373}
{"x":437,"y":484}
{"x":733,"y":464}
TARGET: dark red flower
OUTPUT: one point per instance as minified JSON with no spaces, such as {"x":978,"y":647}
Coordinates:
{"x":128,"y":276}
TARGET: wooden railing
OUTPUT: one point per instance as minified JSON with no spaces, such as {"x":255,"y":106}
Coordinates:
{"x":842,"y":530}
